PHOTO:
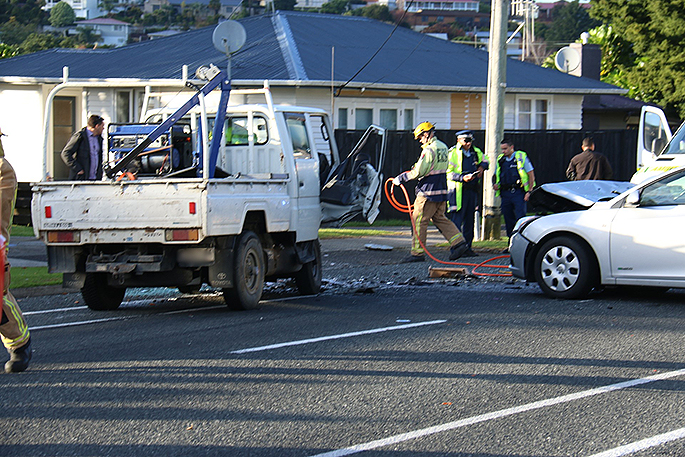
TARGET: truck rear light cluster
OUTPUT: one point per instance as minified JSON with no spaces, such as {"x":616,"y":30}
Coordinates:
{"x":64,"y":236}
{"x":192,"y":208}
{"x":182,"y":235}
{"x":48,"y":212}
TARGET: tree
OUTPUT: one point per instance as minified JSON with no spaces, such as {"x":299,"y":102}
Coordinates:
{"x":108,"y":5}
{"x":8,"y":50}
{"x":285,"y":5}
{"x":38,"y":42}
{"x":62,"y":15}
{"x":335,"y":7}
{"x":374,"y":11}
{"x":655,"y":30}
{"x":570,"y":20}
{"x":215,"y":6}
{"x":14,"y":33}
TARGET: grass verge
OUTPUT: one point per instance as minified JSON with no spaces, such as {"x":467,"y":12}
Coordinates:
{"x":33,"y":277}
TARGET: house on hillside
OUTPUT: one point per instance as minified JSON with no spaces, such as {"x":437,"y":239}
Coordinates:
{"x":111,"y":31}
{"x":226,"y":9}
{"x":86,"y":9}
{"x":305,"y":57}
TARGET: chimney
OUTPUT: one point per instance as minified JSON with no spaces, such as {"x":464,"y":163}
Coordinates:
{"x":590,"y":60}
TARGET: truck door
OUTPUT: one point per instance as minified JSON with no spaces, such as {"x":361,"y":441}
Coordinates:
{"x":652,"y":135}
{"x":307,"y":179}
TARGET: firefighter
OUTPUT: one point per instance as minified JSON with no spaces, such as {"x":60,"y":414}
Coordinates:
{"x":13,"y":328}
{"x":464,"y":172}
{"x":431,"y":195}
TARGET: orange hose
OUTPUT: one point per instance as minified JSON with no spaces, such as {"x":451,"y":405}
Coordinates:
{"x":409,"y":208}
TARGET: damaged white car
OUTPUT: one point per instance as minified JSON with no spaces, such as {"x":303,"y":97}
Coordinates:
{"x":627,"y":235}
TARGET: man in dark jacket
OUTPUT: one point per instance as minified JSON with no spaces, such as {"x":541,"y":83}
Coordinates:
{"x":83,"y":152}
{"x":589,"y":164}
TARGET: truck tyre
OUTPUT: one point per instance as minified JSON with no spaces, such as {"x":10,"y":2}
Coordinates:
{"x":308,"y":279}
{"x":98,"y":295}
{"x":566,"y":268}
{"x":248,"y":274}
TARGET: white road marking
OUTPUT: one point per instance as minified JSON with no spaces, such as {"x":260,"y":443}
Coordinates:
{"x":56,"y":310}
{"x":497,"y":415}
{"x":336,"y":337}
{"x":643,"y":444}
{"x":72,"y":324}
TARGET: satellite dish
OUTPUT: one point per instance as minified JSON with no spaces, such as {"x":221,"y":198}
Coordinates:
{"x":229,"y":37}
{"x":567,"y":59}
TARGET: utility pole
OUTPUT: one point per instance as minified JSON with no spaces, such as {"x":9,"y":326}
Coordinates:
{"x":497,"y":83}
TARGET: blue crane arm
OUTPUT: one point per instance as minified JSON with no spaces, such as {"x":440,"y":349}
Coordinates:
{"x":219,"y":80}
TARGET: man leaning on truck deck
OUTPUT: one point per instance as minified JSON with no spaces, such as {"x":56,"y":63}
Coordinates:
{"x":83,"y":152}
{"x":13,"y":329}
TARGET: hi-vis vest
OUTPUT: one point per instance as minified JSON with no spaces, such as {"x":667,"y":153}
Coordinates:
{"x":430,"y":170}
{"x":520,"y":158}
{"x":455,"y":166}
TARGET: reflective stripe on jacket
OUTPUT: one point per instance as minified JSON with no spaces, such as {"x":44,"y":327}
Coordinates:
{"x":520,"y":158}
{"x":430,"y":170}
{"x":454,"y":186}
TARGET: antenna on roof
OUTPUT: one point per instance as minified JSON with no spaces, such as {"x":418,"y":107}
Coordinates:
{"x":229,"y":37}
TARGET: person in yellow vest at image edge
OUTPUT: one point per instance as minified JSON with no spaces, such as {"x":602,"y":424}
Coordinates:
{"x":13,"y":329}
{"x":431,"y":195}
{"x":467,"y":164}
{"x":514,"y":181}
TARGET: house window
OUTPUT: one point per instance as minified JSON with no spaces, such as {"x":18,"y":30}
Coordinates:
{"x":408,"y":119}
{"x":363,"y":118}
{"x":342,"y":118}
{"x":389,"y":119}
{"x":532,"y":114}
{"x":123,"y":106}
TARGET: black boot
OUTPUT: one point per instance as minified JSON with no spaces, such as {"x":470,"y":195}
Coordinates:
{"x":19,"y":358}
{"x":459,"y":250}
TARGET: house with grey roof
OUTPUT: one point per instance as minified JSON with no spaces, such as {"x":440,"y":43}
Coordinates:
{"x":358,"y":69}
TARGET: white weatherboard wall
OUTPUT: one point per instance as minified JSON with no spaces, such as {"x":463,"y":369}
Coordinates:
{"x":434,"y":107}
{"x":21,"y":118}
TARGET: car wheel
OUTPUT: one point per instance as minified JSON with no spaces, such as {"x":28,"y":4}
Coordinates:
{"x":308,"y":279}
{"x":248,"y":274}
{"x":98,"y":295}
{"x":565,"y":268}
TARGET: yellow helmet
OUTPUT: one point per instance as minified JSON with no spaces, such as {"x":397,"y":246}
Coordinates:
{"x":422,"y":127}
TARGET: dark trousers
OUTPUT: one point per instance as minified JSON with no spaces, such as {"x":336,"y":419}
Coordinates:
{"x":465,"y":217}
{"x":513,"y":207}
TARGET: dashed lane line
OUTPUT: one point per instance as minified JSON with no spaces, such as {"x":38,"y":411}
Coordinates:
{"x":336,"y":337}
{"x":402,"y":437}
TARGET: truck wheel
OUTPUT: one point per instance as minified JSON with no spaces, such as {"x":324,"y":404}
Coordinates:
{"x":98,"y":295}
{"x":308,"y":279}
{"x":248,"y":274}
{"x":565,"y":268}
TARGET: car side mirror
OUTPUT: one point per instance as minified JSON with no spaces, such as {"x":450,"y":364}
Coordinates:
{"x":633,"y":198}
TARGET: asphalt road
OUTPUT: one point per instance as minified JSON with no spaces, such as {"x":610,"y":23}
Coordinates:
{"x":385,"y":361}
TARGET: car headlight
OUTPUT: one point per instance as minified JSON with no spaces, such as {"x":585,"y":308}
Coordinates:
{"x":523,"y":222}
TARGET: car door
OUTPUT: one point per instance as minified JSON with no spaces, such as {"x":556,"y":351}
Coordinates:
{"x":353,"y":187}
{"x":647,"y":239}
{"x":652,"y":135}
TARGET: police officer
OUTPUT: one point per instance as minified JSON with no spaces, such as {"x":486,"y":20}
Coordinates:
{"x":13,"y":328}
{"x":464,"y":172}
{"x":431,"y":195}
{"x":514,"y":181}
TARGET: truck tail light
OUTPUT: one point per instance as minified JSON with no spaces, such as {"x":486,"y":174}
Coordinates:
{"x":64,"y":237}
{"x":182,"y":235}
{"x":48,"y":212}
{"x":192,"y":208}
